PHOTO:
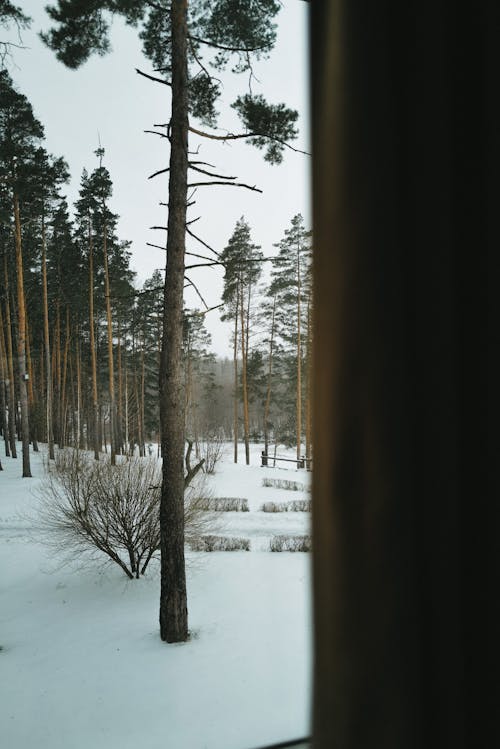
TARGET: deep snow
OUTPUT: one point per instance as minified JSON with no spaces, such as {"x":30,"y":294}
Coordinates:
{"x":82,"y":665}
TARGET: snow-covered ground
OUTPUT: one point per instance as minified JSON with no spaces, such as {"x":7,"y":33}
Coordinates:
{"x":81,"y":662}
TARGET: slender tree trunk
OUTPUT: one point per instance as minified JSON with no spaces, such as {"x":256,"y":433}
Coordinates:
{"x":141,"y":408}
{"x":11,"y":397}
{"x":63,"y":405}
{"x":109,"y":321}
{"x":244,"y":388}
{"x":48,"y":374}
{"x":235,"y":367}
{"x":127,"y":445}
{"x":95,"y":401}
{"x":119,"y":420}
{"x":309,"y":392}
{"x":269,"y":381}
{"x":173,"y":596}
{"x":4,"y":388}
{"x":31,"y":388}
{"x":299,"y":364}
{"x":21,"y":344}
{"x":79,"y":436}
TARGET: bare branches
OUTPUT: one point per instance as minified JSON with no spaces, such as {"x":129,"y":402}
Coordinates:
{"x":153,"y":78}
{"x":160,"y":171}
{"x":240,"y":136}
{"x":198,"y":239}
{"x":227,"y":184}
{"x":226,"y":48}
{"x":191,"y":283}
{"x":209,"y":174}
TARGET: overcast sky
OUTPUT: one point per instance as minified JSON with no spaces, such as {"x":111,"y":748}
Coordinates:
{"x":107,"y":99}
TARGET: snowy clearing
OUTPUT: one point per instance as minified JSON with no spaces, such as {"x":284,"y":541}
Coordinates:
{"x":81,"y":661}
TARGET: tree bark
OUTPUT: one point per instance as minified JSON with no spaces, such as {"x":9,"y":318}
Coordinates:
{"x":235,"y":366}
{"x":95,"y":401}
{"x":4,"y":388}
{"x":173,"y":596}
{"x":299,"y":363}
{"x":21,"y":344}
{"x":244,"y":388}
{"x":11,"y":399}
{"x":269,"y":382}
{"x":109,"y":321}
{"x":46,"y":336}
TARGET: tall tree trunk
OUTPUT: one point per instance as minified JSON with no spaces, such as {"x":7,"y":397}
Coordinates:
{"x":31,"y":389}
{"x":267,"y":405}
{"x":299,"y":363}
{"x":11,"y":398}
{"x":109,"y":322}
{"x":142,"y":448}
{"x":21,"y":344}
{"x":244,"y":388}
{"x":63,"y":405}
{"x":95,"y":401}
{"x":79,"y":435}
{"x":56,"y":372}
{"x":46,"y":336}
{"x":309,"y":390}
{"x":173,"y":596}
{"x":235,"y":367}
{"x":4,"y":388}
{"x":119,"y":420}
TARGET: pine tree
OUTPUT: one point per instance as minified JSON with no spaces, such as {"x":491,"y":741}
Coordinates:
{"x":291,"y":288}
{"x":174,"y":41}
{"x":242,"y":264}
{"x":20,"y":133}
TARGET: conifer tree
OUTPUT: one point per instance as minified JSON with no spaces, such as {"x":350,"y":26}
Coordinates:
{"x":175,"y":41}
{"x":242,"y":264}
{"x":20,"y":134}
{"x":291,"y":287}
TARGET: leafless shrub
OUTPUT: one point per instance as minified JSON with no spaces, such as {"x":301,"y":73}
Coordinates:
{"x":290,"y":543}
{"x":211,"y":449}
{"x":295,"y":486}
{"x":220,"y":543}
{"x":295,"y":505}
{"x":93,"y":508}
{"x":221,"y":504}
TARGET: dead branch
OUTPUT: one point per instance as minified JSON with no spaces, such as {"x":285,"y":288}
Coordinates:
{"x":240,"y":136}
{"x":228,"y":184}
{"x":153,"y":78}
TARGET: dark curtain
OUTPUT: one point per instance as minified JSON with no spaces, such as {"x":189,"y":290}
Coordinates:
{"x":405,"y":490}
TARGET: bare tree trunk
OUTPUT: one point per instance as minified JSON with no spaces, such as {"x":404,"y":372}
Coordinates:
{"x":31,"y":389}
{"x":141,"y":408}
{"x":95,"y":401}
{"x":309,"y":392}
{"x":4,"y":387}
{"x":235,"y":366}
{"x":173,"y":596}
{"x":112,"y":405}
{"x":119,"y":420}
{"x":269,"y":382}
{"x":21,"y":344}
{"x":299,"y":364}
{"x":11,"y":399}
{"x":48,"y":373}
{"x":244,"y":388}
{"x":62,"y":407}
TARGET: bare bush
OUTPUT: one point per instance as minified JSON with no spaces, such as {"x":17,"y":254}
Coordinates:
{"x":93,"y":508}
{"x":295,"y":486}
{"x":290,"y":543}
{"x":221,"y":504}
{"x":295,"y":505}
{"x":211,"y":450}
{"x":220,"y":543}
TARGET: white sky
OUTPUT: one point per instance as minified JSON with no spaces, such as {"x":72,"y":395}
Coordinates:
{"x":106,"y":96}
